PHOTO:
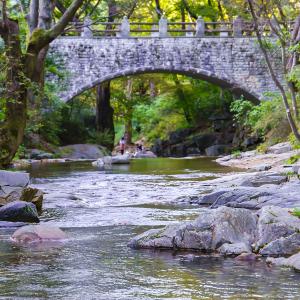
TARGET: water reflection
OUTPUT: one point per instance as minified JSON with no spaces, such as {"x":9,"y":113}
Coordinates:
{"x":100,"y":212}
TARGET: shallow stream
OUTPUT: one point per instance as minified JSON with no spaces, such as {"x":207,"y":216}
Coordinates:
{"x":101,"y":211}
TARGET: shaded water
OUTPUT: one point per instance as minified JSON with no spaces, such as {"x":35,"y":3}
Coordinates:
{"x":101,"y":211}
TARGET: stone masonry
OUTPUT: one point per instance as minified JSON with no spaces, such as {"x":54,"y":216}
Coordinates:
{"x":233,"y":63}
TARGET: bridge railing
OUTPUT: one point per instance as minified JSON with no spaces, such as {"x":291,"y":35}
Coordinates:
{"x":200,"y":28}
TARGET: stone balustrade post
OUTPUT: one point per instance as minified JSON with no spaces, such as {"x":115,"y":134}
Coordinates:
{"x":200,"y":27}
{"x":163,"y":27}
{"x":125,"y":28}
{"x":87,"y":30}
{"x":238,"y":25}
{"x":189,"y":33}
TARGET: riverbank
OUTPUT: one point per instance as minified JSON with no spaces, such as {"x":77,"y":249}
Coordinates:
{"x":274,"y":159}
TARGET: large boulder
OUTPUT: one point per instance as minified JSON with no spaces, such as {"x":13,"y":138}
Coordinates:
{"x":278,"y":232}
{"x":13,"y":179}
{"x":211,"y":230}
{"x":82,"y":151}
{"x":38,"y":233}
{"x":19,"y":211}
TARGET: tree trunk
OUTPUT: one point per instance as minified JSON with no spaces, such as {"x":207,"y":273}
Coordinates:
{"x":104,"y":111}
{"x":128,"y":129}
{"x":15,"y":96}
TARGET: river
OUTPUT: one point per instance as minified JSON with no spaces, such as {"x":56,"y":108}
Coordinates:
{"x":101,"y":211}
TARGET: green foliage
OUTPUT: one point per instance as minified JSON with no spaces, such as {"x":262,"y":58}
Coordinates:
{"x":267,"y":119}
{"x":295,"y":212}
{"x":293,"y":141}
{"x":236,"y":154}
{"x":100,"y":138}
{"x":293,"y":159}
{"x":241,"y":110}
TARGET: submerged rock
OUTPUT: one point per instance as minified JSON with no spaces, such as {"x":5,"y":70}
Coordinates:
{"x":19,"y":211}
{"x":38,"y":233}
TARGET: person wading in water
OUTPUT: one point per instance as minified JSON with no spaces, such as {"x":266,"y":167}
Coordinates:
{"x":122,"y":145}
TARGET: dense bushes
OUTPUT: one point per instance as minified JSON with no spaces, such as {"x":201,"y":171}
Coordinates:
{"x":267,"y":120}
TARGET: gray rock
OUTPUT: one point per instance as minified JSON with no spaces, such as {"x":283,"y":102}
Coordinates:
{"x":82,"y":151}
{"x":103,"y":163}
{"x":144,"y":154}
{"x":19,"y":211}
{"x":291,"y":262}
{"x":260,"y":168}
{"x":280,"y":148}
{"x":275,"y":223}
{"x":208,"y":232}
{"x":14,"y":179}
{"x":282,"y":246}
{"x":39,"y":154}
{"x":264,"y":179}
{"x":234,"y":249}
{"x":120,"y":159}
{"x":216,"y":150}
{"x":238,"y":197}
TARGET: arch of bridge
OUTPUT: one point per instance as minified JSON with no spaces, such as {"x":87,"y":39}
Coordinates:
{"x":234,"y":63}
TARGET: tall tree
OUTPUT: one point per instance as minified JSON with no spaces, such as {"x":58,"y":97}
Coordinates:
{"x":272,"y":8}
{"x":23,"y":71}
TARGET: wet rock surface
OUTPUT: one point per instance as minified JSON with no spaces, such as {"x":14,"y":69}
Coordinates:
{"x":252,"y":191}
{"x":272,"y":231}
{"x":19,"y":211}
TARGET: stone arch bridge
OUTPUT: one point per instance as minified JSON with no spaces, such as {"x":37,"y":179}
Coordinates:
{"x":231,"y":62}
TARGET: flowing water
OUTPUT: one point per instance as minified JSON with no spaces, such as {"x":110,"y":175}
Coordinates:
{"x":101,"y":211}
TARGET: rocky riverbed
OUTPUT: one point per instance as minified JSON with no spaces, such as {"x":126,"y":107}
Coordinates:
{"x":245,"y":213}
